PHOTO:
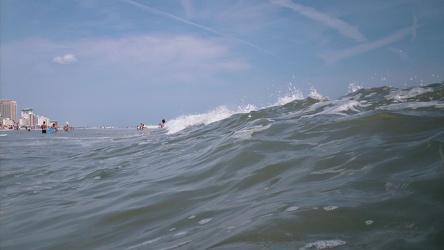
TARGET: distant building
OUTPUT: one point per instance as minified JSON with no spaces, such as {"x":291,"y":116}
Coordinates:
{"x":8,"y":109}
{"x":28,"y":118}
{"x":8,"y":117}
{"x":41,"y":119}
{"x":6,"y":123}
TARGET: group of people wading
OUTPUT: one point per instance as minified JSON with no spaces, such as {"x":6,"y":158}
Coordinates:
{"x":143,"y":126}
{"x":45,"y":127}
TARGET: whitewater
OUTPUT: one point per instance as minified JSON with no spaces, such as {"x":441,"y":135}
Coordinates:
{"x":364,"y":171}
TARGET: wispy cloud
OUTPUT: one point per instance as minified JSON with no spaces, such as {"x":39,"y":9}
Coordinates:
{"x":170,"y":59}
{"x":179,"y":19}
{"x":66,"y":59}
{"x":344,"y":28}
{"x":338,"y":55}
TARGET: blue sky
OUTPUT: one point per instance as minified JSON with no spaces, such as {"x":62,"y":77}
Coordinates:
{"x":122,"y":62}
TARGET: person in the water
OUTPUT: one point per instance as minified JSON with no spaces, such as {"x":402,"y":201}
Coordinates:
{"x":54,"y":127}
{"x":162,"y":124}
{"x":44,"y":127}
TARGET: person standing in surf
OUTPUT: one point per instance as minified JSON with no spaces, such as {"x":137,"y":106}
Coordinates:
{"x":44,"y":127}
{"x":54,"y":127}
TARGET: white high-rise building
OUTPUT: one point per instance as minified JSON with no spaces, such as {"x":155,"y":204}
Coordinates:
{"x":41,"y":119}
{"x":28,"y":118}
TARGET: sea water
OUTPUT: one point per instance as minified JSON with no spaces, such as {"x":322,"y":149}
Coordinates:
{"x":365,"y":171}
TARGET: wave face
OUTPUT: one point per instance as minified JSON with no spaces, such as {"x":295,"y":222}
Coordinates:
{"x":361,"y":172}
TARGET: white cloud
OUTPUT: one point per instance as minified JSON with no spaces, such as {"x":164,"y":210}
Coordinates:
{"x":162,"y":52}
{"x":344,"y":28}
{"x":66,"y":59}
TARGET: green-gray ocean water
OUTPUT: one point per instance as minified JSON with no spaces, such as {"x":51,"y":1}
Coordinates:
{"x":365,"y":171}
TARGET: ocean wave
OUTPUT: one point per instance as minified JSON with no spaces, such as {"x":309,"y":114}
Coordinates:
{"x":361,"y":171}
{"x":357,"y":101}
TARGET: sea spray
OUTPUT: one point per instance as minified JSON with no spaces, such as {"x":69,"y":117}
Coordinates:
{"x":353,"y":87}
{"x":360,"y":172}
{"x":222,"y":112}
{"x":291,"y":95}
{"x":217,"y":114}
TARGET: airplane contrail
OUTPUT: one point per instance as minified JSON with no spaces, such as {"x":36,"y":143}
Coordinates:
{"x":343,"y":27}
{"x":164,"y":14}
{"x":335,"y":56}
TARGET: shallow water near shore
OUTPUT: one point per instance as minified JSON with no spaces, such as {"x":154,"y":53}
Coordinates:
{"x":364,"y":171}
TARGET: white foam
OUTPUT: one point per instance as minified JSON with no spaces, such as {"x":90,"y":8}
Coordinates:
{"x":148,"y":242}
{"x":341,"y":106}
{"x":412,"y":105}
{"x":180,"y":234}
{"x":293,"y":95}
{"x":222,"y":112}
{"x":353,"y":87}
{"x":217,"y":114}
{"x":404,"y":94}
{"x":176,"y":246}
{"x":330,"y":208}
{"x":323,"y":244}
{"x":337,"y":107}
{"x":293,"y":208}
{"x":315,"y":95}
{"x":205,"y":221}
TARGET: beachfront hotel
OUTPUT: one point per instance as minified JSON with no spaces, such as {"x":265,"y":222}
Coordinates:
{"x":8,"y":113}
{"x":8,"y":117}
{"x":8,"y":109}
{"x":30,"y":120}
